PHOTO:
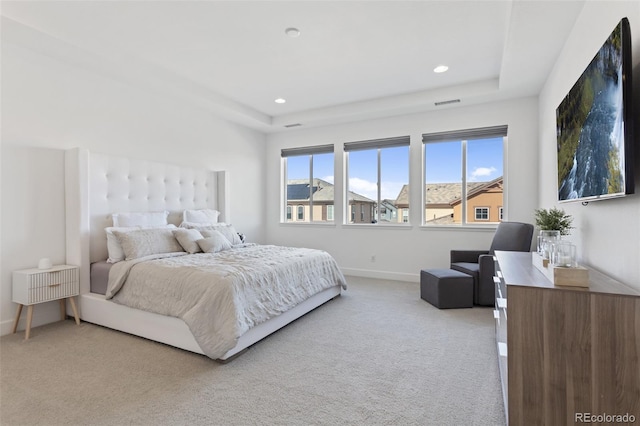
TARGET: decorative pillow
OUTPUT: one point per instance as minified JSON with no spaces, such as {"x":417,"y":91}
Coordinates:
{"x":114,"y":249}
{"x":214,"y":242}
{"x":188,"y":239}
{"x":225,"y":229}
{"x":230,"y":232}
{"x":140,"y":219}
{"x":144,"y":242}
{"x":201,"y":216}
{"x":113,"y":245}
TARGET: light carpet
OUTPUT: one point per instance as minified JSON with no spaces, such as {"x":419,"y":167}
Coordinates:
{"x":376,"y":355}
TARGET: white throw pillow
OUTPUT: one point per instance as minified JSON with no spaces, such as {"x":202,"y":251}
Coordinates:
{"x":188,"y":239}
{"x":145,"y":242}
{"x":130,"y":219}
{"x":201,"y":216}
{"x":214,"y":242}
{"x":114,"y":249}
{"x":225,"y":229}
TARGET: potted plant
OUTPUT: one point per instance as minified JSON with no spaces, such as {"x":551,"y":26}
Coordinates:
{"x":553,"y":220}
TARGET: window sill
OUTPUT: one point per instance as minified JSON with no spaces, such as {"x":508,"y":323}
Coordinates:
{"x":309,"y":224}
{"x":402,"y":226}
{"x":480,"y":228}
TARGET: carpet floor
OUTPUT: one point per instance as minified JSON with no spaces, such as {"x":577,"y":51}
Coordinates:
{"x":376,"y":355}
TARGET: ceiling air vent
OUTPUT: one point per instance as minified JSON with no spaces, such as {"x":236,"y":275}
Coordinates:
{"x":292,"y":125}
{"x":452,"y":101}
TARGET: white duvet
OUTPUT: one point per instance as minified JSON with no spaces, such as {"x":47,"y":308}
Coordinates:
{"x":222,"y":295}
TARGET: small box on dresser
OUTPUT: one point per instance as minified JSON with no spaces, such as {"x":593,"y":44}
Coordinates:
{"x":33,"y":286}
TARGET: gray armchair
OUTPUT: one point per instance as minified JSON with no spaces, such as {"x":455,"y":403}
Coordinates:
{"x":510,"y":236}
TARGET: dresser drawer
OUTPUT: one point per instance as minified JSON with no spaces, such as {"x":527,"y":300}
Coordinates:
{"x":35,"y":286}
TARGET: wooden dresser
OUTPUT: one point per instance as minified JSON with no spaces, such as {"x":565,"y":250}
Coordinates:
{"x":566,"y":354}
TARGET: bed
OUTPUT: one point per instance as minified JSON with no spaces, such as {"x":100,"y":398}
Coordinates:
{"x":98,"y":185}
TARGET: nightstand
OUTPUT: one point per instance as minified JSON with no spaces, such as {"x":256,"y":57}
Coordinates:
{"x":33,"y":286}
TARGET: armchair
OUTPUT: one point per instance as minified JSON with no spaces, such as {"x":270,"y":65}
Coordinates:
{"x":510,"y":236}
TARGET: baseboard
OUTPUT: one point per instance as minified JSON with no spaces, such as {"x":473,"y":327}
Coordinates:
{"x":384,"y":275}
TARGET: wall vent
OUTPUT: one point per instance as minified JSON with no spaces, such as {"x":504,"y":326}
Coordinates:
{"x":452,"y":101}
{"x":293,"y":125}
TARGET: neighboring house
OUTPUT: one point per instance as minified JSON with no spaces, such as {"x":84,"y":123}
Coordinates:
{"x":443,"y":206}
{"x":484,"y":202}
{"x":388,"y":211}
{"x":361,"y":208}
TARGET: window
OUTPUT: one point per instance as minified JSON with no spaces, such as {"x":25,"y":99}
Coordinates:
{"x":308,"y":183}
{"x":464,"y":179}
{"x":377,"y":172}
{"x":482,"y":213}
{"x":405,"y":215}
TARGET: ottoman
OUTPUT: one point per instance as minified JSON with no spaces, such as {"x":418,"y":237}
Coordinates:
{"x":446,"y":288}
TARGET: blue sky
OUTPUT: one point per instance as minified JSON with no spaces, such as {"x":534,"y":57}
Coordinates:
{"x":484,"y":161}
{"x":443,"y":165}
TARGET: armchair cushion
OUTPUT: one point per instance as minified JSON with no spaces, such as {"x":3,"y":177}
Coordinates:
{"x":467,"y":267}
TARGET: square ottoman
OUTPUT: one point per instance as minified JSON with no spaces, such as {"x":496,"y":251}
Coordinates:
{"x":446,"y":288}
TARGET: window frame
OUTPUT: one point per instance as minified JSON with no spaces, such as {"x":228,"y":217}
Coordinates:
{"x":475,"y":213}
{"x":309,"y":151}
{"x":378,"y":145}
{"x":330,"y":213}
{"x":464,"y":137}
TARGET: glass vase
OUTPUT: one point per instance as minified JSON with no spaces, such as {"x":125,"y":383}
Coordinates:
{"x":546,"y":239}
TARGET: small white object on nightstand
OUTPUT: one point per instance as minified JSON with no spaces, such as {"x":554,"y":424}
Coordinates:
{"x":37,"y":285}
{"x":45,"y":263}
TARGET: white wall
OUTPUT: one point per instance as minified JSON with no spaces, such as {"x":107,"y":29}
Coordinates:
{"x":401,"y":253}
{"x":607,"y":232}
{"x":50,"y":105}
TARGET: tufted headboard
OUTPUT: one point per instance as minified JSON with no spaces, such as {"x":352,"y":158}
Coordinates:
{"x":97,"y":185}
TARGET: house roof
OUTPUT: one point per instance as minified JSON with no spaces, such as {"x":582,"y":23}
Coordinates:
{"x":446,"y":194}
{"x":495,"y":185}
{"x":298,"y":190}
{"x":437,"y":193}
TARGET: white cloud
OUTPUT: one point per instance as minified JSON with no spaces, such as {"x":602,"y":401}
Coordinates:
{"x":482,"y":172}
{"x":364,"y":187}
{"x":389,"y":190}
{"x":328,"y":179}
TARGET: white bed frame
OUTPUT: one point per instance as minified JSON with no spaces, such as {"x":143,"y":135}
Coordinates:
{"x":97,"y":185}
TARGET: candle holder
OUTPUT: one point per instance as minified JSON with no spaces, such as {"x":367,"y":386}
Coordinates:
{"x":545,"y":241}
{"x":563,"y":254}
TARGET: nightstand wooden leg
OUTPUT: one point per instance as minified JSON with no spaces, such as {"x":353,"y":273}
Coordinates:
{"x":15,"y":323}
{"x":75,"y":310}
{"x":27,"y":332}
{"x":63,"y":309}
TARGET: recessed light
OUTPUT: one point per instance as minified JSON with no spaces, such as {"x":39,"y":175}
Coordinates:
{"x":292,"y":32}
{"x":280,"y":101}
{"x":440,"y":69}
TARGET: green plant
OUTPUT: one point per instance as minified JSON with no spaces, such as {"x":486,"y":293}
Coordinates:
{"x":553,"y":220}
